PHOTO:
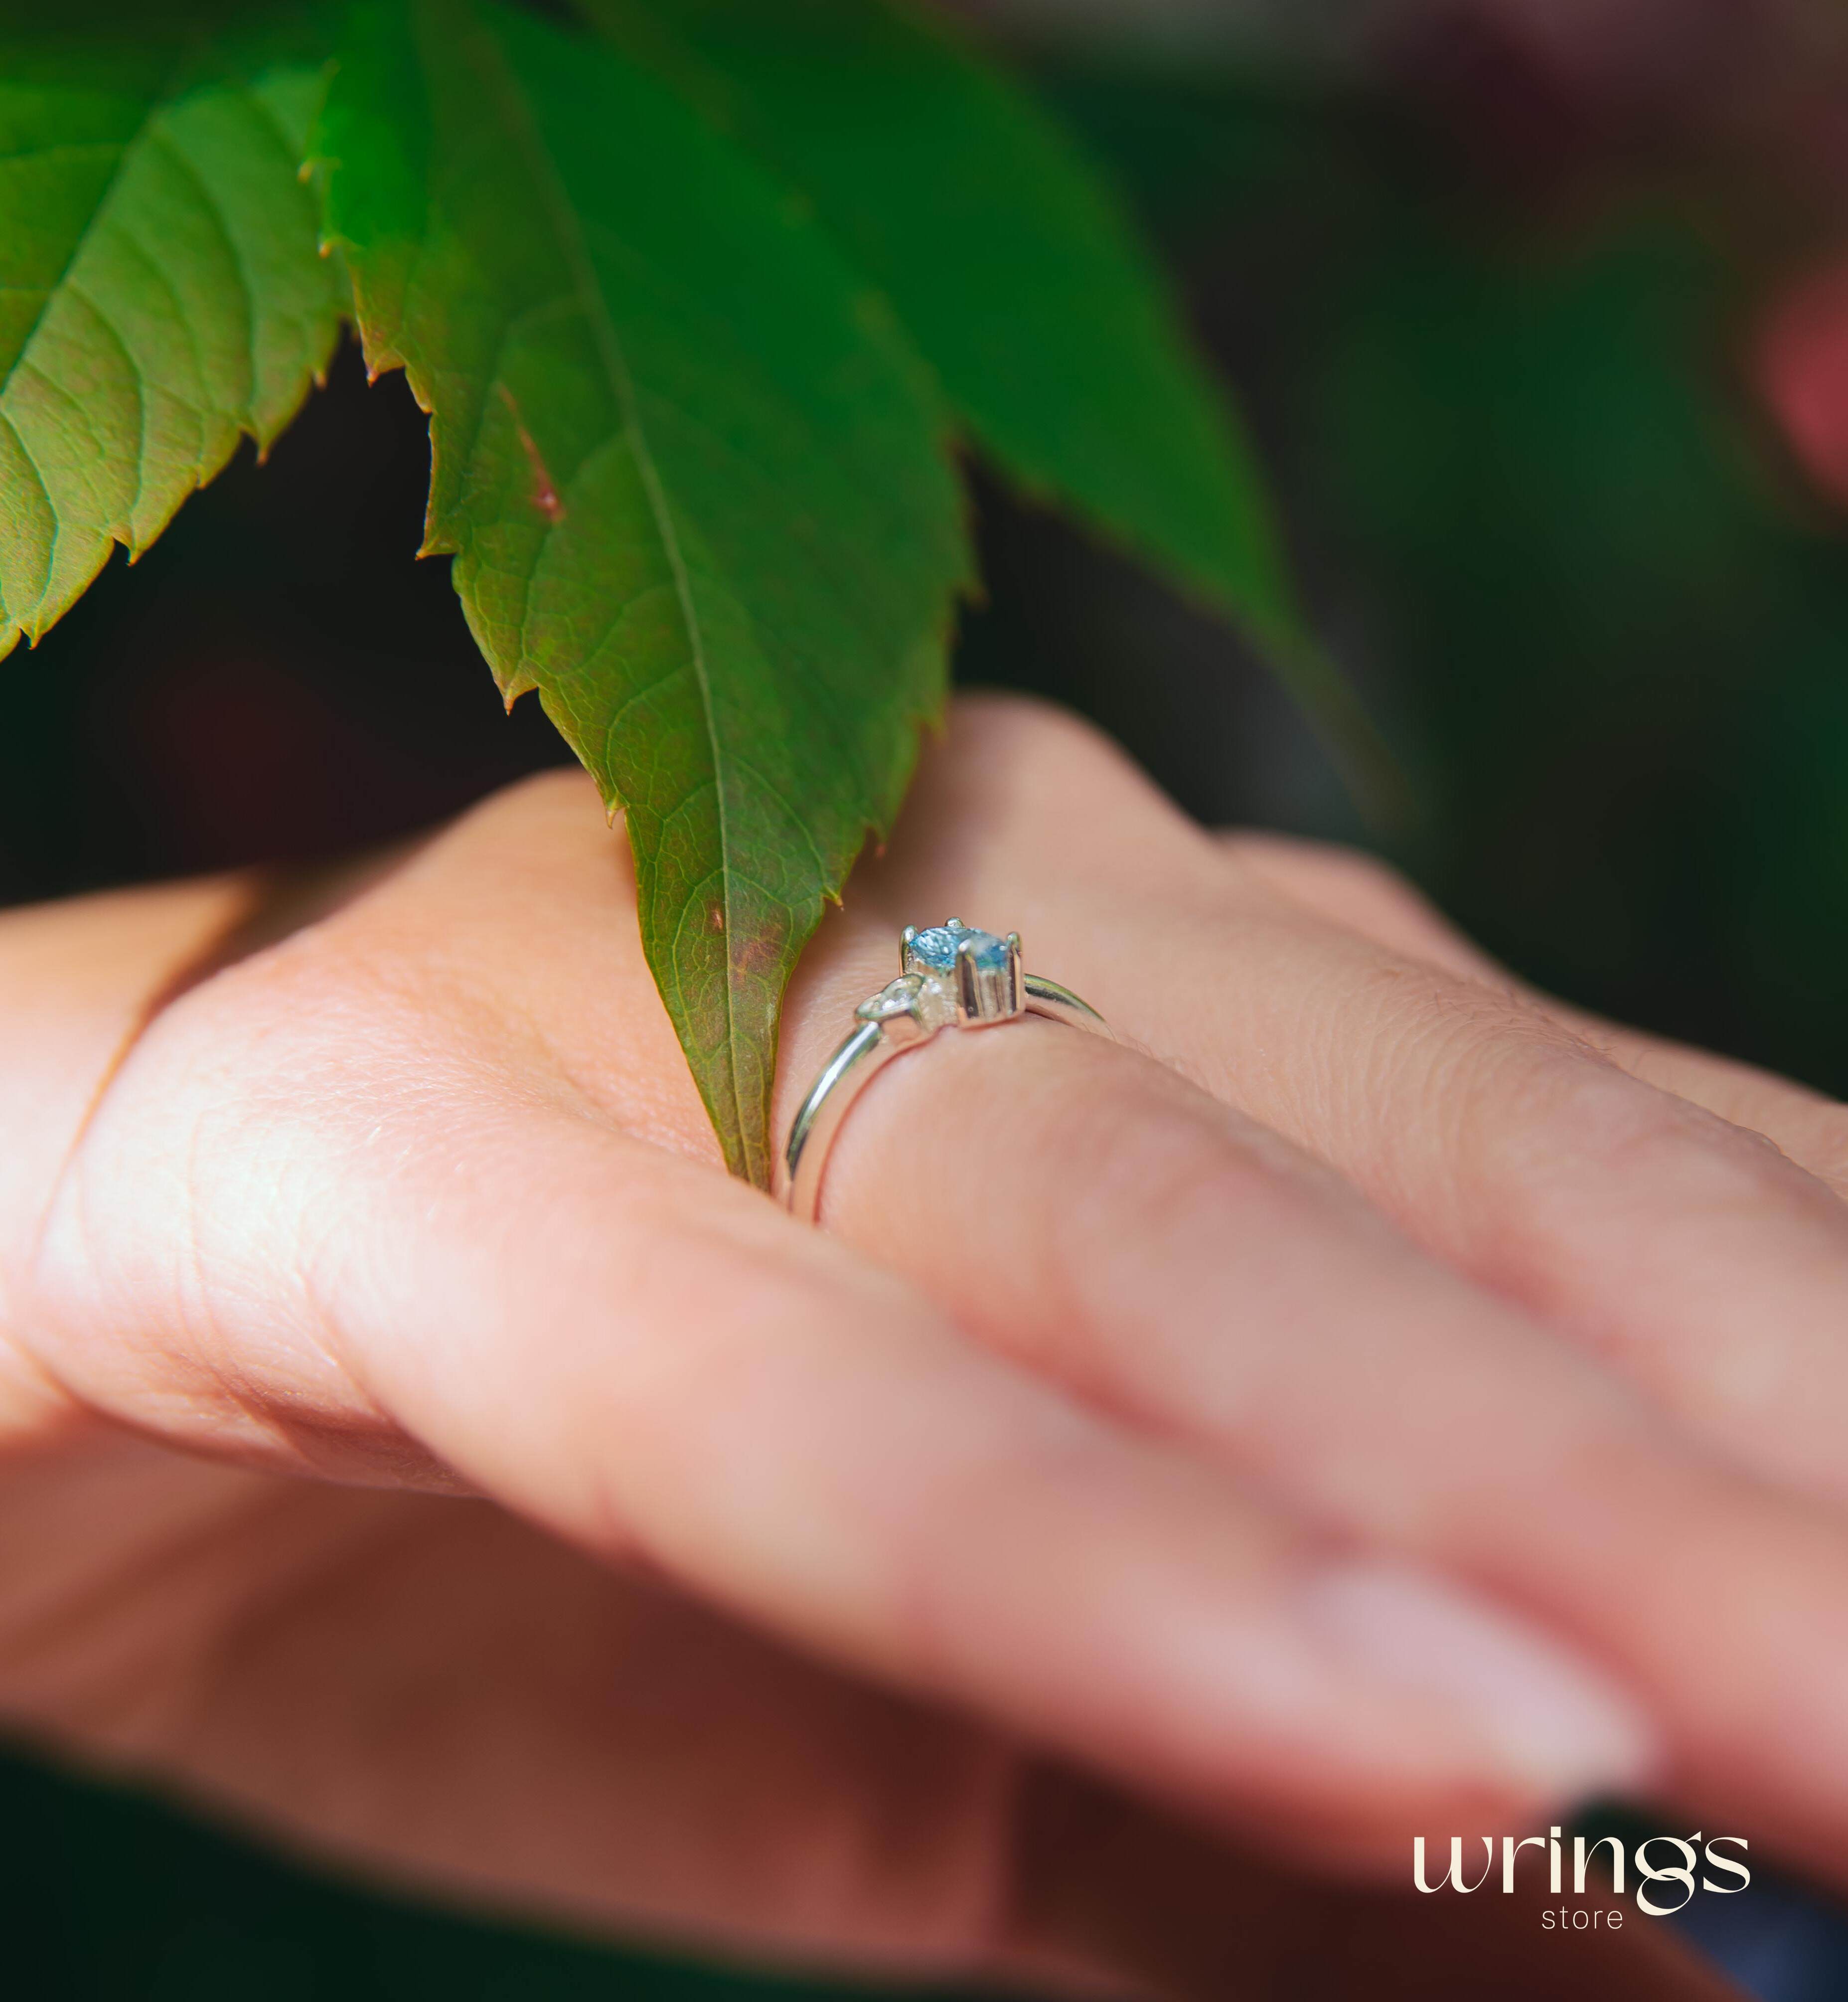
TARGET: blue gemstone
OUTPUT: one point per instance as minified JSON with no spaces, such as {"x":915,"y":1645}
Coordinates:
{"x":936,"y":949}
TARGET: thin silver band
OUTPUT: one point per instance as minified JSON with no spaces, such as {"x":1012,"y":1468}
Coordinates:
{"x":922,"y":1002}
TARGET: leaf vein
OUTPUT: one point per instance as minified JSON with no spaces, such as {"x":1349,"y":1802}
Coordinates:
{"x":577,"y":256}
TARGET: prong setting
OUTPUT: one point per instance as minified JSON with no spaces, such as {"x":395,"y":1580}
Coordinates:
{"x":976,"y":972}
{"x":968,"y":980}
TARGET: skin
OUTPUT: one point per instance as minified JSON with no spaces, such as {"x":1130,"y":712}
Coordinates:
{"x":1371,"y":1400}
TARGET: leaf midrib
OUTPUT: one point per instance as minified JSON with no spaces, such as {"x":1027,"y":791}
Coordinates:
{"x":504,"y":86}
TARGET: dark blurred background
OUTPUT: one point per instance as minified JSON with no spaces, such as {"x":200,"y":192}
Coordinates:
{"x":1539,"y":310}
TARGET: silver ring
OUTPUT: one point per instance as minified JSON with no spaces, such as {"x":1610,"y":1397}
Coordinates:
{"x":953,"y":976}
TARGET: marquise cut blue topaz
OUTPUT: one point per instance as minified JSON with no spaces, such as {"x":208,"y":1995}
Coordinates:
{"x":936,"y":949}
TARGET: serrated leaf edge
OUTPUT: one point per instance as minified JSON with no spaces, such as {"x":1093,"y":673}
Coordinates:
{"x":14,"y":628}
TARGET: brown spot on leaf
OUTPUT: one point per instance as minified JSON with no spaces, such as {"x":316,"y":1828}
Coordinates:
{"x":756,"y":958}
{"x":544,"y":495}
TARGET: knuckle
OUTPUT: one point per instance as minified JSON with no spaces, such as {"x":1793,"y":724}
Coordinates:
{"x":1059,"y":764}
{"x":1028,"y":726}
{"x":1295,"y":857}
{"x":1350,"y":887}
{"x":1371,"y":882}
{"x":1568,"y":1133}
{"x":1526,"y":1101}
{"x":566,"y":792}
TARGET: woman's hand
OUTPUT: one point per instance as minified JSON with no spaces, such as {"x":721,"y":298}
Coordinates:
{"x":1387,"y":1406}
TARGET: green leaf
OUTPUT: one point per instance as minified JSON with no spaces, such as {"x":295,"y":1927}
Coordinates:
{"x":1007,"y":260}
{"x":1014,"y":271}
{"x":696,"y":487}
{"x":162,"y":292}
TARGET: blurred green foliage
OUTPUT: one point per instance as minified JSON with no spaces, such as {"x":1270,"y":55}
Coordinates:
{"x":1624,"y":649}
{"x":1555,"y":539}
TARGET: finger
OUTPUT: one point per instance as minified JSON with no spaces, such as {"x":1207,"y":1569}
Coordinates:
{"x":1687,"y":1251}
{"x":1089,"y":1212}
{"x":311,"y":1216}
{"x":81,"y":979}
{"x":571,"y":1744}
{"x":1354,"y":891}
